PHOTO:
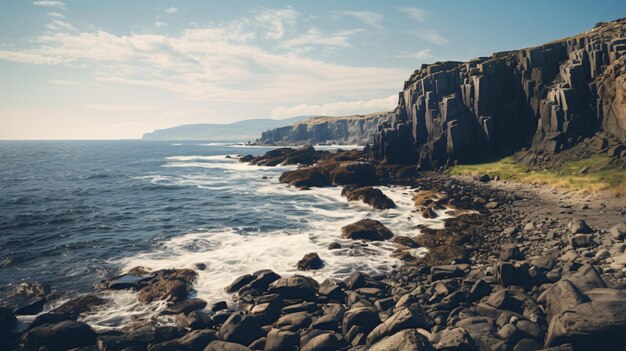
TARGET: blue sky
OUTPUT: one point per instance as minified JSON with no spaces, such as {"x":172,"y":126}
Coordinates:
{"x":115,"y":69}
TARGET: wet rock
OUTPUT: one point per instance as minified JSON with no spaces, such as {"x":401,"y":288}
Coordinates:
{"x":186,"y":306}
{"x":295,"y":287}
{"x":267,"y":308}
{"x":334,"y":246}
{"x":82,"y":304}
{"x":405,"y":340}
{"x":64,"y":335}
{"x":310,"y":261}
{"x":126,"y":281}
{"x":241,"y":329}
{"x":218,"y":306}
{"x":405,"y":241}
{"x":195,"y":340}
{"x":366,"y":229}
{"x":279,"y":340}
{"x":32,"y":289}
{"x":355,"y":280}
{"x":239,"y":283}
{"x":369,"y":195}
{"x":196,"y":320}
{"x":445,"y":272}
{"x":7,"y":320}
{"x":331,"y":288}
{"x":170,"y":290}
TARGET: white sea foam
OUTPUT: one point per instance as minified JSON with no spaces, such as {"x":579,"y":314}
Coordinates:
{"x":227,"y":253}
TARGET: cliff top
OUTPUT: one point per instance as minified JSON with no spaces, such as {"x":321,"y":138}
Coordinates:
{"x":322,"y":119}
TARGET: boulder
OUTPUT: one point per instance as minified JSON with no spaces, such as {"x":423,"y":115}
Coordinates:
{"x":281,"y":340}
{"x":618,"y":231}
{"x":310,"y":261}
{"x":323,"y":342}
{"x":405,"y":340}
{"x":169,"y":290}
{"x":579,"y":226}
{"x":241,"y":329}
{"x":454,"y":339}
{"x":369,"y":195}
{"x":186,"y":306}
{"x":581,"y":240}
{"x":510,"y":252}
{"x":64,"y":336}
{"x":365,"y":317}
{"x":412,"y":317}
{"x":218,"y":345}
{"x":76,"y":306}
{"x":295,"y":287}
{"x":195,"y":340}
{"x":196,"y":320}
{"x":294,"y":321}
{"x":366,"y":229}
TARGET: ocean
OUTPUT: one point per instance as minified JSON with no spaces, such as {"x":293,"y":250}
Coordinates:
{"x":75,"y":212}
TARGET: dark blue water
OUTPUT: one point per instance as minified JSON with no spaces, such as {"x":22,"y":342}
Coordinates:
{"x":70,"y":208}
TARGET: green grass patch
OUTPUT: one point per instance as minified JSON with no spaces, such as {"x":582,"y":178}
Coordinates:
{"x":599,"y":174}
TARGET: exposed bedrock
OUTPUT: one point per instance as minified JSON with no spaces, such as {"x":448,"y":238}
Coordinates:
{"x":356,"y":130}
{"x":546,"y":100}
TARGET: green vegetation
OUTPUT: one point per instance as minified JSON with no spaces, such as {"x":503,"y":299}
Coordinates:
{"x":592,"y":174}
{"x":322,"y":119}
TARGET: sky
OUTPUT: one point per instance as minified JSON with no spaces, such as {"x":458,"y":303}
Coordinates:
{"x":116,"y":69}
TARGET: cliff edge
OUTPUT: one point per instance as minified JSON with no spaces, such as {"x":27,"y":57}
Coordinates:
{"x":562,"y":100}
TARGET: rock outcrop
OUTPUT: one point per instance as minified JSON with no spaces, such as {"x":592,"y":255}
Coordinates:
{"x":544,"y":101}
{"x":356,"y":130}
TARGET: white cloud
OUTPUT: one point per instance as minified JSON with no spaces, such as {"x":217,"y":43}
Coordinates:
{"x":431,"y":36}
{"x":315,"y":37}
{"x":171,"y":10}
{"x":372,"y":19}
{"x":276,"y":21}
{"x":219,"y":64}
{"x":420,"y":55}
{"x":160,"y":24}
{"x":50,"y":3}
{"x":55,"y":14}
{"x":58,"y":25}
{"x":64,"y":82}
{"x":340,"y":108}
{"x":415,"y":13}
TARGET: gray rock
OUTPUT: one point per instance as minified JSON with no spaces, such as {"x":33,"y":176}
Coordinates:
{"x":64,"y":335}
{"x":406,"y":318}
{"x":366,"y":229}
{"x":294,"y":321}
{"x":294,"y":287}
{"x":579,"y":226}
{"x":581,"y":240}
{"x":453,"y":339}
{"x":365,"y":317}
{"x":323,"y":342}
{"x":225,"y":346}
{"x":405,"y":340}
{"x":618,"y":231}
{"x":510,"y":252}
{"x":310,"y":261}
{"x":195,"y":340}
{"x":279,"y":340}
{"x":196,"y":320}
{"x":241,"y":329}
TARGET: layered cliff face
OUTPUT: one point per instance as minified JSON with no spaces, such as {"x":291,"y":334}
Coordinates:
{"x":356,"y":130}
{"x":544,"y":100}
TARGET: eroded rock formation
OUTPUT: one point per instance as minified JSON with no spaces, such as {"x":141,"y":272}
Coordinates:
{"x":543,"y":100}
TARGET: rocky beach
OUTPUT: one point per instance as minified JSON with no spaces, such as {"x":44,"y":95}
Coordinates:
{"x":497,"y":277}
{"x":501,"y":266}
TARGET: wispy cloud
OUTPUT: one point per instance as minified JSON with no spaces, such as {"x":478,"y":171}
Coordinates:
{"x":315,"y":37}
{"x":369,"y":18}
{"x":415,"y":13}
{"x":55,"y":14}
{"x":171,"y":10}
{"x":160,"y":24}
{"x":64,"y":82}
{"x":58,"y":25}
{"x":49,"y":3}
{"x":431,"y":36}
{"x":276,"y":21}
{"x":420,"y":55}
{"x":339,"y":108}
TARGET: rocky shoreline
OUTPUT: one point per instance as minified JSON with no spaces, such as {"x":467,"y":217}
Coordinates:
{"x":497,"y":277}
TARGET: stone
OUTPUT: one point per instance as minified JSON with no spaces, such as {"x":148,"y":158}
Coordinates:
{"x":196,"y":320}
{"x":239,"y":283}
{"x":279,"y":340}
{"x":405,"y":340}
{"x":510,"y":252}
{"x":618,"y":231}
{"x":323,"y":342}
{"x":366,"y":229}
{"x":79,"y":305}
{"x":173,"y":290}
{"x":241,"y":329}
{"x":310,"y":261}
{"x":294,"y":287}
{"x":364,"y":317}
{"x":484,"y":178}
{"x":406,"y":318}
{"x":445,"y":272}
{"x":294,"y":321}
{"x":218,"y":345}
{"x":369,"y":195}
{"x":581,"y":240}
{"x":355,"y":280}
{"x":195,"y":340}
{"x":453,"y":339}
{"x":480,"y":289}
{"x":64,"y":335}
{"x":186,"y":306}
{"x":579,"y":226}
{"x":7,"y":320}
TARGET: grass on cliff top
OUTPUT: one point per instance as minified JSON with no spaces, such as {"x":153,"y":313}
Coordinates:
{"x":599,"y":176}
{"x":322,"y":119}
